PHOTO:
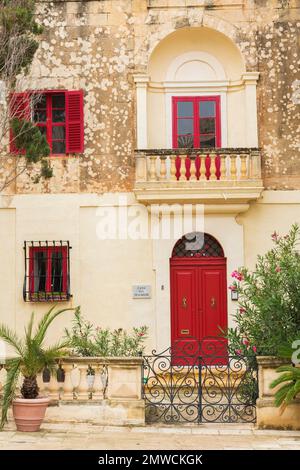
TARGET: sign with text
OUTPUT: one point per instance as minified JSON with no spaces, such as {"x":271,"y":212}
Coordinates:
{"x":141,"y":291}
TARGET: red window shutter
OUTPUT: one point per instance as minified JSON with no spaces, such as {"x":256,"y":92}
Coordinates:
{"x":74,"y":121}
{"x":19,"y":107}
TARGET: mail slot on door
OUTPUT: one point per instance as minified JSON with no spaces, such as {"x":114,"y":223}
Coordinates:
{"x":185,"y":332}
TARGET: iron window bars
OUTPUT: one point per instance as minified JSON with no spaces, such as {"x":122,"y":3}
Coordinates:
{"x":47,"y":271}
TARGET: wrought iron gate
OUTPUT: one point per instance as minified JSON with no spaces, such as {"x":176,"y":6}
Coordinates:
{"x":200,"y":382}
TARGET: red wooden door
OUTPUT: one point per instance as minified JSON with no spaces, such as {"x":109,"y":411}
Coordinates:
{"x":198,"y":300}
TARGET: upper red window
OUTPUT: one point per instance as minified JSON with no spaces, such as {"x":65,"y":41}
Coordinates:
{"x":196,"y":122}
{"x":58,"y":114}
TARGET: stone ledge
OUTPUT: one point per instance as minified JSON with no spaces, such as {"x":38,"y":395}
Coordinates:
{"x":273,"y":361}
{"x":106,"y":412}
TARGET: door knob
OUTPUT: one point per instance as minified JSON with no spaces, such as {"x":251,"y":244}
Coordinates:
{"x":213,"y":302}
{"x":184,"y":302}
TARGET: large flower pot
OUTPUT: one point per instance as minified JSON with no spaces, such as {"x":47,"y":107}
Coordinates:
{"x":29,"y":413}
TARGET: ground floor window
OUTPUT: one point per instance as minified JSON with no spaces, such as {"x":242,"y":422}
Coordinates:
{"x":47,"y":269}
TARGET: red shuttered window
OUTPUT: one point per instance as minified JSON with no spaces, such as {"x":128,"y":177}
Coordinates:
{"x":59,"y":115}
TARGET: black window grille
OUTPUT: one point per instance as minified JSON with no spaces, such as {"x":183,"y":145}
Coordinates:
{"x":47,"y":271}
{"x":197,"y":245}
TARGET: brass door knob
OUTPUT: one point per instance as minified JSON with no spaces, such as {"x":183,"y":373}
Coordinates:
{"x":213,"y":302}
{"x":184,"y":302}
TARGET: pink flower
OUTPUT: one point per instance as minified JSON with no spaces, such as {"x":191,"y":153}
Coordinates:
{"x":141,"y":334}
{"x":254,"y":349}
{"x":238,"y":351}
{"x":246,"y":342}
{"x":237,"y":275}
{"x":278,"y":269}
{"x":274,"y":236}
{"x":242,"y":310}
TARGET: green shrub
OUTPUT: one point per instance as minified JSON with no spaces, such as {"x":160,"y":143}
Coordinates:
{"x":85,"y":340}
{"x":268,"y":314}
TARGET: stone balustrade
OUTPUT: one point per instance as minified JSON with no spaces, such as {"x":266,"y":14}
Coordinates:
{"x":112,"y":393}
{"x":180,"y":174}
{"x":179,"y":165}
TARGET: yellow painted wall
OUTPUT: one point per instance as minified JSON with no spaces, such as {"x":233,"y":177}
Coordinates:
{"x":103,"y":271}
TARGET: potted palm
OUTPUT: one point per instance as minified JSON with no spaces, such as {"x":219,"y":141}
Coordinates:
{"x":32,"y":357}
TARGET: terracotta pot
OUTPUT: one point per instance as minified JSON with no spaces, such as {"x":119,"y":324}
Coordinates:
{"x":29,"y":413}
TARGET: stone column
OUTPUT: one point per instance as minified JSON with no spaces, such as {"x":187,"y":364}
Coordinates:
{"x":268,"y":415}
{"x":141,"y":82}
{"x":250,"y":81}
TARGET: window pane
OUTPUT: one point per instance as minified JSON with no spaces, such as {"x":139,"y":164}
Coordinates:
{"x":185,"y":126}
{"x":58,"y":132}
{"x":40,"y":271}
{"x":185,"y":141}
{"x":58,"y":115}
{"x":207,"y":141}
{"x":58,"y":101}
{"x":207,"y":126}
{"x":40,"y":115}
{"x":207,"y":108}
{"x":58,"y":147}
{"x":185,"y":109}
{"x":57,"y":272}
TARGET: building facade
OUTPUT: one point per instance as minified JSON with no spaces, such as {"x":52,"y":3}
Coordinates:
{"x":164,"y":118}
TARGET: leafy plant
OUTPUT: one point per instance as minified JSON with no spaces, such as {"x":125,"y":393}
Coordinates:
{"x":89,"y":341}
{"x":19,"y":41}
{"x":290,"y":388}
{"x":32,"y":357}
{"x":268,"y":314}
{"x":36,"y":149}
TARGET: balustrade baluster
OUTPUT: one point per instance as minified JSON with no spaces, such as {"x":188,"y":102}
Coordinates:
{"x":243,"y":158}
{"x":141,"y":168}
{"x":173,"y":168}
{"x":163,"y":168}
{"x":202,"y":167}
{"x":152,"y":169}
{"x":213,"y":169}
{"x":197,"y":167}
{"x":52,"y":388}
{"x":207,"y":166}
{"x":181,"y":166}
{"x":223,"y":168}
{"x":68,"y":386}
{"x":187,"y":164}
{"x":193,"y":169}
{"x":233,"y":168}
{"x":83,"y":388}
{"x":98,"y":384}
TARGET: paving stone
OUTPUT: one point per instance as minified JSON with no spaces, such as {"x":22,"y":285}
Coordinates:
{"x":150,"y":438}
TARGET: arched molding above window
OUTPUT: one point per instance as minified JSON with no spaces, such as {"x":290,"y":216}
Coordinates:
{"x":198,"y":66}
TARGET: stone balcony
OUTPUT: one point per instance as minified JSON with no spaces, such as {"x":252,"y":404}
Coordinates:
{"x":203,"y":176}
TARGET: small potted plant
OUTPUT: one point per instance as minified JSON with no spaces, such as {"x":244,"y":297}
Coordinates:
{"x":32,"y":357}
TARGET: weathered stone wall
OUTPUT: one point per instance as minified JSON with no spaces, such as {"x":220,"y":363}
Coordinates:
{"x":99,"y":45}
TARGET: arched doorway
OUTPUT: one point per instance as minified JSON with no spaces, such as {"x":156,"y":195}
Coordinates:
{"x":198,"y":288}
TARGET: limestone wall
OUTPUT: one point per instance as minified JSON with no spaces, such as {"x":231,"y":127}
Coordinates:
{"x":99,"y":45}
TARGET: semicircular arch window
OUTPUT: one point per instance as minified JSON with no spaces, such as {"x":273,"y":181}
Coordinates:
{"x":197,"y":244}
